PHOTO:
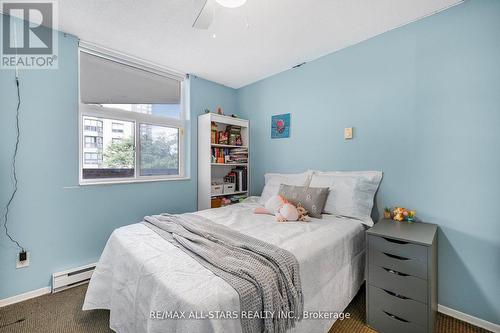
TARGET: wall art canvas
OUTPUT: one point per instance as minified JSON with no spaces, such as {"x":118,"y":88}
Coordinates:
{"x":280,"y":126}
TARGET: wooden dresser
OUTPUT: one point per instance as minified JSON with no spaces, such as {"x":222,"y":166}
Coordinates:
{"x":401,"y":293}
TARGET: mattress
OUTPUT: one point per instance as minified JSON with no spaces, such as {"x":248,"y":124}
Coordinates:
{"x":149,"y":285}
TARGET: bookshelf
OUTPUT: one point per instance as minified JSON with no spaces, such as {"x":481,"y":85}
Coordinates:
{"x":222,"y":164}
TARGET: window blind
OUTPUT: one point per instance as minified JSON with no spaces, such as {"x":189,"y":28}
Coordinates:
{"x":105,"y":81}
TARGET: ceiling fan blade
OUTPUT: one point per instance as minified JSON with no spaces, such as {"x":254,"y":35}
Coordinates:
{"x":206,"y":15}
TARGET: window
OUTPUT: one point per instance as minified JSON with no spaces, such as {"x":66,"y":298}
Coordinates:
{"x":162,"y":110}
{"x":93,"y":158}
{"x":159,"y":150}
{"x":117,"y":127}
{"x":132,"y":122}
{"x":93,"y":141}
{"x":113,"y":159}
{"x":93,"y":125}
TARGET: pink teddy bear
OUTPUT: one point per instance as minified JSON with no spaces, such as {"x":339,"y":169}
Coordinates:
{"x":282,"y":209}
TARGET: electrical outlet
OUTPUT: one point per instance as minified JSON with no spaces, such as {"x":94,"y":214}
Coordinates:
{"x":348,"y":133}
{"x":24,"y":263}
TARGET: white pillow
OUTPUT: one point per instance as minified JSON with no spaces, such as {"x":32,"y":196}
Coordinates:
{"x":274,"y":180}
{"x":351,"y":193}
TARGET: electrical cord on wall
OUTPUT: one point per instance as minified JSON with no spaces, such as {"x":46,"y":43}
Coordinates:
{"x":14,"y":171}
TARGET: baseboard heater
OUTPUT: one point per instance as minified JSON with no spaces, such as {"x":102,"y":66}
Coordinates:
{"x":72,"y":277}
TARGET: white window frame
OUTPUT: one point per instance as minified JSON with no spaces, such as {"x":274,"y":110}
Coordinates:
{"x":98,"y":111}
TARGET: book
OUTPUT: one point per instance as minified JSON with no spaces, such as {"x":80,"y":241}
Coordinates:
{"x":240,"y":179}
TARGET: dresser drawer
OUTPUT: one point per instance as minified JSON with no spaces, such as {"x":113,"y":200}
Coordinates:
{"x":397,"y":282}
{"x":400,"y":306}
{"x":398,"y":248}
{"x":402,"y":264}
{"x":386,"y":322}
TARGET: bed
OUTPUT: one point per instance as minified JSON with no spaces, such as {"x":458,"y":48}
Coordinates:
{"x":141,"y":277}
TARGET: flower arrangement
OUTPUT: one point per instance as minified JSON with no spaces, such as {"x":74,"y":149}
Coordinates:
{"x":403,"y":214}
{"x":400,"y":214}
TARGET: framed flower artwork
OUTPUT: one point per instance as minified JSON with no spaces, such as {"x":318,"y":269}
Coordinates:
{"x":280,"y":126}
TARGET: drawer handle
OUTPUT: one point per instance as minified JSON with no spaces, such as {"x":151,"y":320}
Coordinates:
{"x":395,"y":272}
{"x":395,"y":317}
{"x":394,"y":241}
{"x":395,"y":256}
{"x":395,"y":295}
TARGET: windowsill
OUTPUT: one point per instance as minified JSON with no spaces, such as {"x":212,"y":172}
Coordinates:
{"x":131,"y":181}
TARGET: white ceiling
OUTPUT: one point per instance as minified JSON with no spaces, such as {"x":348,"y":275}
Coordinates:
{"x":281,"y":33}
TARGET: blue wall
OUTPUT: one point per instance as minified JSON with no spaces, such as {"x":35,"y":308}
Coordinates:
{"x":67,"y":227}
{"x":424,"y":101}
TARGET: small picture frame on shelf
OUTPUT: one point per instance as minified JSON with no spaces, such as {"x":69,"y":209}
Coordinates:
{"x":234,"y":134}
{"x":223,"y":138}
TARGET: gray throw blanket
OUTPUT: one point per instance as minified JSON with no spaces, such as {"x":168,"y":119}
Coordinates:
{"x":265,"y":276}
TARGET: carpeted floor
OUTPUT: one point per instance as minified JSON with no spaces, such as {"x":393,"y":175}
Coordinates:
{"x":61,"y":313}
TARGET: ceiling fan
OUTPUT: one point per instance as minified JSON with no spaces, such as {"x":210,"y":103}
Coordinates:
{"x":206,"y":14}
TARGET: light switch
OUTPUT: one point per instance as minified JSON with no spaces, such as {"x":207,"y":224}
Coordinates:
{"x":348,"y":133}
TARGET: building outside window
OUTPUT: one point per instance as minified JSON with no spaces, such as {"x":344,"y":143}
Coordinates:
{"x":92,"y":125}
{"x":93,"y":141}
{"x":93,"y":158}
{"x":117,"y":127}
{"x":106,"y":144}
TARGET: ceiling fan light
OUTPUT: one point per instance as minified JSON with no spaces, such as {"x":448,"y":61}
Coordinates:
{"x":231,"y":3}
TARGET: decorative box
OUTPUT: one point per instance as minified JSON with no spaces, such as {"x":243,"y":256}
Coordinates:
{"x":216,"y":203}
{"x":217,"y":189}
{"x":229,"y":188}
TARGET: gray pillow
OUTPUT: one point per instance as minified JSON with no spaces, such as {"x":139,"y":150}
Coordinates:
{"x":313,"y":199}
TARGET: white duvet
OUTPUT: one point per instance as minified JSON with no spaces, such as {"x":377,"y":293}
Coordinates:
{"x":141,"y":277}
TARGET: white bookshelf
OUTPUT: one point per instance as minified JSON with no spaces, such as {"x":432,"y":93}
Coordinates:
{"x":208,"y":171}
